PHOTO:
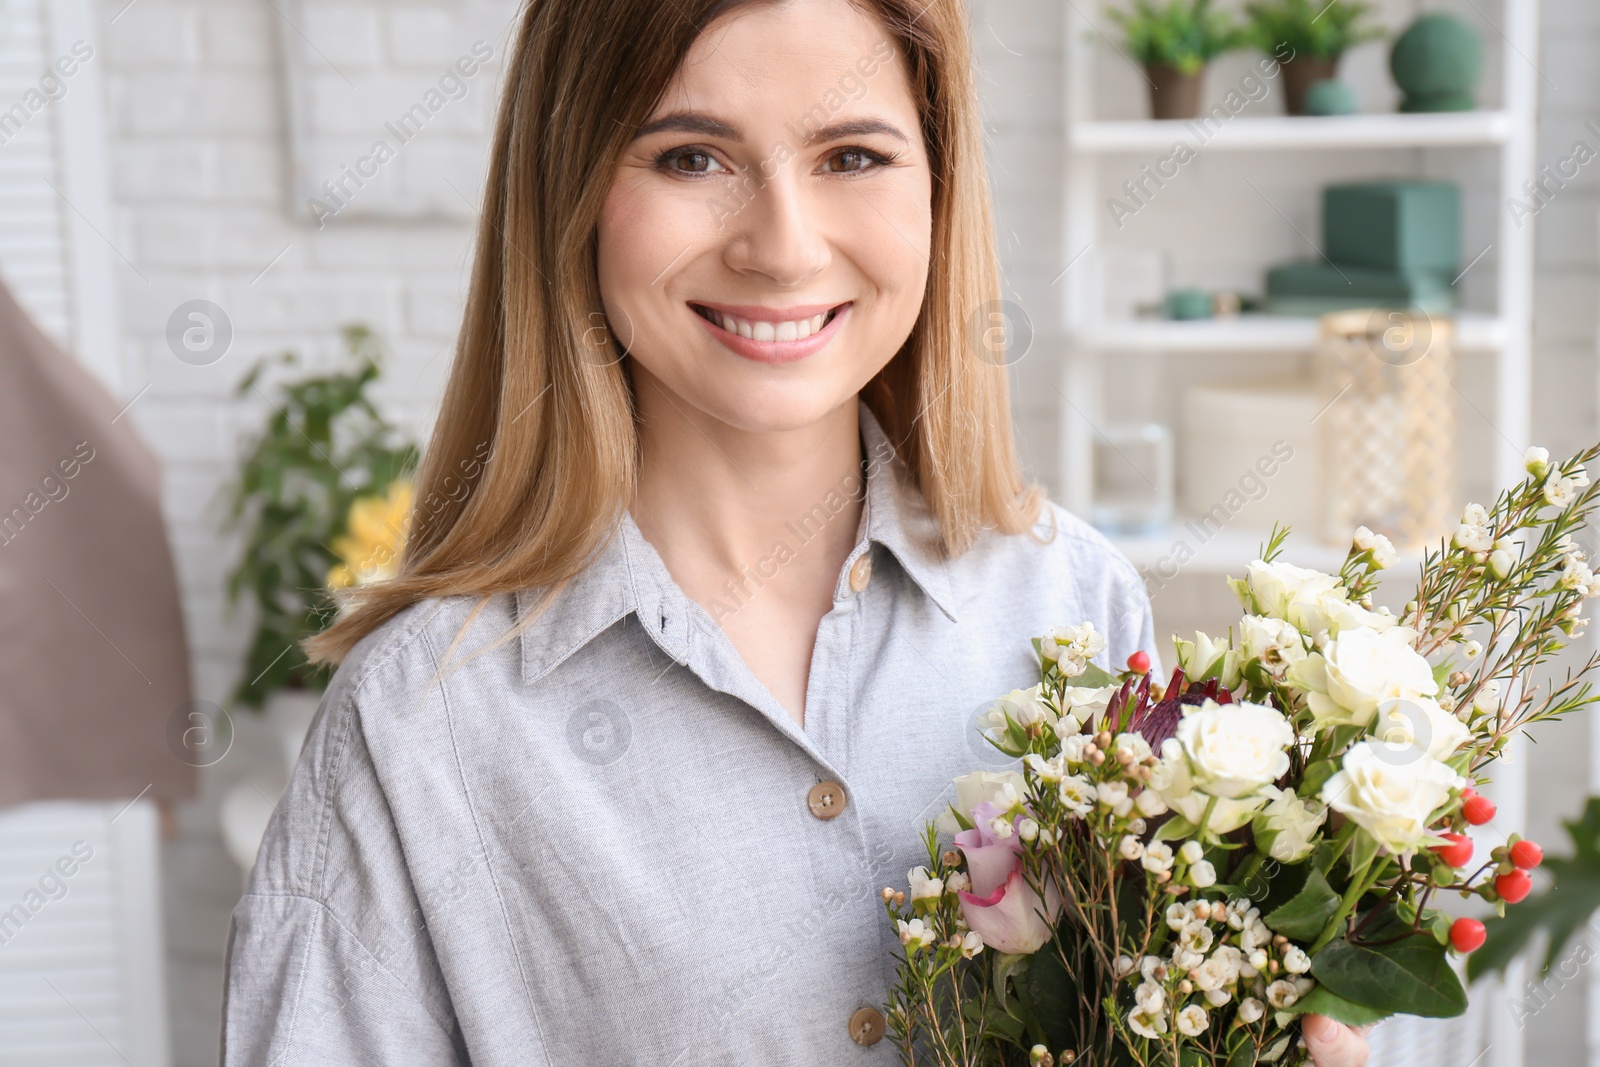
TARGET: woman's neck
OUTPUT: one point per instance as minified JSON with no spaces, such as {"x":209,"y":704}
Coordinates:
{"x":715,"y":500}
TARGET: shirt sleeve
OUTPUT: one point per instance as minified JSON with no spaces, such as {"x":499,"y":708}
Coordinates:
{"x":1132,"y":622}
{"x":329,"y":961}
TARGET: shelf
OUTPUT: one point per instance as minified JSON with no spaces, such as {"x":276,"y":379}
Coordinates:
{"x":1464,"y":128}
{"x":1229,"y":550}
{"x":1255,"y":333}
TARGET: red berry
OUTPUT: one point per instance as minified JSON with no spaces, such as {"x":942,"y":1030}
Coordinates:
{"x":1139,"y":663}
{"x":1513,"y":887}
{"x":1527,"y":855}
{"x":1467,"y":935}
{"x":1476,"y":809}
{"x":1458,"y":853}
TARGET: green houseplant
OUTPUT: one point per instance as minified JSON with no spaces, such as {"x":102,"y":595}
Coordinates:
{"x":316,"y":466}
{"x":1174,"y":42}
{"x":1308,"y":37}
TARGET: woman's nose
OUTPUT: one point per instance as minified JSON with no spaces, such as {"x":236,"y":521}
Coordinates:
{"x":779,"y":232}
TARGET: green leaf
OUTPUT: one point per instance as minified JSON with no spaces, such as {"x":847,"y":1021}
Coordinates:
{"x":1363,"y":850}
{"x":1303,"y":916}
{"x":1316,"y":777}
{"x":1174,"y":828}
{"x":1324,"y":1001}
{"x":1093,"y":677}
{"x":1411,"y":976}
{"x":1051,"y":996}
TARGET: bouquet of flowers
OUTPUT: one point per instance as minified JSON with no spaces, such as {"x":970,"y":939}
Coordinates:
{"x":1174,"y":874}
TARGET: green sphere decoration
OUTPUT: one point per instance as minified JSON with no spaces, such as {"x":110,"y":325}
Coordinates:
{"x":1330,"y":97}
{"x":1436,"y":63}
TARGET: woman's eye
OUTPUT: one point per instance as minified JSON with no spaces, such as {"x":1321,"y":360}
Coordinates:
{"x":858,"y":160}
{"x":688,"y":161}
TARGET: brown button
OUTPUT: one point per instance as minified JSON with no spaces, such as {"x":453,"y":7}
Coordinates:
{"x":866,"y":1026}
{"x":861,"y":572}
{"x":826,"y":799}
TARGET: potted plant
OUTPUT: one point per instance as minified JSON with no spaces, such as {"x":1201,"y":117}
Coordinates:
{"x":323,"y":495}
{"x":1175,"y":42}
{"x":1308,"y":37}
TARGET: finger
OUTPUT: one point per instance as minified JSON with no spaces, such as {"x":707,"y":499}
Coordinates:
{"x":1333,"y":1044}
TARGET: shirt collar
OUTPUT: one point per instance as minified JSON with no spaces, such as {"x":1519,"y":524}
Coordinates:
{"x":628,"y":576}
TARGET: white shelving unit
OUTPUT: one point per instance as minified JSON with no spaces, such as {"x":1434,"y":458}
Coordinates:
{"x":1487,"y":1036}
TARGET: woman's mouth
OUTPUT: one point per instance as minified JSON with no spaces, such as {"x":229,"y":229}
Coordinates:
{"x":772,"y":335}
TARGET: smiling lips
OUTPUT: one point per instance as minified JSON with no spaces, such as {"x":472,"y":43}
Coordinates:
{"x":772,"y":335}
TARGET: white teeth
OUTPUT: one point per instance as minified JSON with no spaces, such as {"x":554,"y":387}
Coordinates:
{"x":793,"y":330}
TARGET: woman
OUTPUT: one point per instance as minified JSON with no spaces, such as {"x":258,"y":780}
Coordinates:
{"x":686,"y":643}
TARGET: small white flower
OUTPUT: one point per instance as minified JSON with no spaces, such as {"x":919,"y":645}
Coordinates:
{"x":1192,"y":1021}
{"x":1150,"y":804}
{"x":1150,"y":997}
{"x":1148,"y":1024}
{"x":1470,"y":538}
{"x":1383,"y":551}
{"x":1191,"y":852}
{"x":1559,"y":491}
{"x":1203,"y":875}
{"x":1486,"y":701}
{"x":1072,"y":748}
{"x":1001,"y":827}
{"x":1124,"y":966}
{"x":1179,"y":915}
{"x":1218,"y":997}
{"x":1258,"y":960}
{"x":1251,"y":1009}
{"x":1295,"y":960}
{"x":1474,"y":515}
{"x":1130,"y":848}
{"x":958,"y":882}
{"x":915,"y":935}
{"x":1112,"y":793}
{"x":1134,"y":745}
{"x":1077,"y":794}
{"x":1536,"y":460}
{"x":1501,"y":562}
{"x":1071,"y":648}
{"x":1282,"y":994}
{"x":1196,"y":937}
{"x":971,"y":944}
{"x":923,"y":886}
{"x":1028,"y":830}
{"x":1122,"y":808}
{"x":1471,"y":651}
{"x":1152,"y":969}
{"x":1157,"y":857}
{"x":1048,"y":770}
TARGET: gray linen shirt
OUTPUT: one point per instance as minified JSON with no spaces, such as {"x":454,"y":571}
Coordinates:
{"x":596,"y":843}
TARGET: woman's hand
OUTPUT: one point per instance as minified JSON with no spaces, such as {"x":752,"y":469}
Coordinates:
{"x":1334,"y":1044}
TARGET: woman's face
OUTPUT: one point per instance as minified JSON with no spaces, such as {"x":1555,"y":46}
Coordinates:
{"x":782,"y":188}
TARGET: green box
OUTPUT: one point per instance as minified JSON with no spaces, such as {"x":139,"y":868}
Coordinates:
{"x":1393,"y":225}
{"x":1318,"y":288}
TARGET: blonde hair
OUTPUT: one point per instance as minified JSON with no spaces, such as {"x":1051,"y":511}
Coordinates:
{"x":534,"y":455}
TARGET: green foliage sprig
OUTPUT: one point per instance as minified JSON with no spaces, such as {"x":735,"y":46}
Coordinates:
{"x":1312,"y":29}
{"x":324,"y":446}
{"x":1183,"y":34}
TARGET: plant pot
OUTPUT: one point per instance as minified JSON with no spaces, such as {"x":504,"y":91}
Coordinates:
{"x":1174,"y":94}
{"x":1300,"y":74}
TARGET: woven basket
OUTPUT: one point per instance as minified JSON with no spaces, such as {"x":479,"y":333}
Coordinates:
{"x":1387,"y":434}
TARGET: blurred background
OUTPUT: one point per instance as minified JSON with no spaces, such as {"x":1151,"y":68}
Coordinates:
{"x":234,"y":237}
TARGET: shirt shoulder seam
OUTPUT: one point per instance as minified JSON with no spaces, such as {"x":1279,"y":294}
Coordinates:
{"x":323,"y":910}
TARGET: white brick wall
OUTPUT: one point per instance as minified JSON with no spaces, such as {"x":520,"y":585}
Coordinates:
{"x":199,"y":126}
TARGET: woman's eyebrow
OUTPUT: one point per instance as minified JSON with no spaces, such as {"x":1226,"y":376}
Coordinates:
{"x":707,"y":125}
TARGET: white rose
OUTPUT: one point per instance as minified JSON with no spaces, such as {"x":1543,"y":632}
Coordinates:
{"x":981,"y":787}
{"x":1197,"y":656}
{"x":1274,"y":586}
{"x":1357,"y":671}
{"x":1274,"y":642}
{"x":1286,"y":827}
{"x":1420,"y":721}
{"x":1234,"y":749}
{"x":1390,"y":797}
{"x":1332,"y":614}
{"x":1173,"y":782}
